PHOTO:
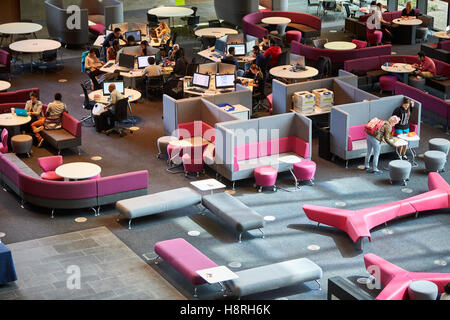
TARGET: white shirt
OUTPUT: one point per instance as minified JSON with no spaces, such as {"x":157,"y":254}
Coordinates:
{"x":115,"y":96}
{"x":153,"y":70}
{"x":374,"y":21}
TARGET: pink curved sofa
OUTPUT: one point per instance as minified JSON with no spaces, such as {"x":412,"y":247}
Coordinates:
{"x":357,"y":223}
{"x":70,"y":194}
{"x":397,"y":280}
{"x":309,"y":25}
{"x":17,"y":96}
{"x":6,"y":107}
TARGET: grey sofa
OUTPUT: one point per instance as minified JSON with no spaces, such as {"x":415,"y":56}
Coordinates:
{"x":57,"y":18}
{"x":105,"y":12}
{"x":234,"y":10}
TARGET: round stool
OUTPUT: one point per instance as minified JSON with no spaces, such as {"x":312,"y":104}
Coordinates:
{"x":162,"y":143}
{"x":434,"y":160}
{"x":265,"y":177}
{"x":422,"y":290}
{"x":399,"y":170}
{"x":22,"y":143}
{"x":305,"y":170}
{"x":439,"y":144}
{"x":387,"y":83}
{"x":418,"y":83}
{"x":292,"y":35}
{"x":2,"y":235}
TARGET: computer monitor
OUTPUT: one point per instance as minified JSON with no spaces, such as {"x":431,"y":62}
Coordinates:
{"x":126,"y":61}
{"x":220,"y":46}
{"x":143,"y":61}
{"x":295,"y":59}
{"x":250,"y":44}
{"x":239,"y":49}
{"x":119,"y":87}
{"x":135,"y":33}
{"x":207,"y":68}
{"x":201,"y":80}
{"x":225,"y":81}
{"x":132,"y":51}
{"x":226,"y":68}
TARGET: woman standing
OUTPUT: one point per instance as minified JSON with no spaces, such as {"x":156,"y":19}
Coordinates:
{"x":404,"y":114}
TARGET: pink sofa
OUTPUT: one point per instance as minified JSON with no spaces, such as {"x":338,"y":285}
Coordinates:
{"x":16,"y":96}
{"x":309,"y":25}
{"x":397,"y":280}
{"x":357,"y":223}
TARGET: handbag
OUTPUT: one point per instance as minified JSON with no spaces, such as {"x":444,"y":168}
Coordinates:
{"x":52,"y":124}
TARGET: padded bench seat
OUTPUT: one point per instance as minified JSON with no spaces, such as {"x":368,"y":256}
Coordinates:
{"x":233,"y":212}
{"x":157,"y":203}
{"x":307,"y":31}
{"x":274,"y":276}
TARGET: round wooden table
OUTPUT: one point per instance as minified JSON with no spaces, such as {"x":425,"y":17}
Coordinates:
{"x":340,"y":45}
{"x":34,"y":46}
{"x":404,"y":69}
{"x":9,"y":120}
{"x":214,"y":32}
{"x":18,"y":28}
{"x":287,"y":73}
{"x":442,"y":35}
{"x":78,"y":170}
{"x":171,"y":12}
{"x":4,"y":85}
{"x":407,"y":22}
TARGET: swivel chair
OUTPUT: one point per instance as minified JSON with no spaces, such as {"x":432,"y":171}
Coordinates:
{"x":87,"y":104}
{"x":120,"y":110}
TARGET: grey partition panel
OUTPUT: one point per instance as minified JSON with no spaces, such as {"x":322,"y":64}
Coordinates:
{"x":113,"y":12}
{"x":212,"y":114}
{"x":384,"y":107}
{"x":241,"y":96}
{"x":245,"y":131}
{"x":169,"y":115}
{"x":302,"y":128}
{"x":416,"y":115}
{"x":350,"y":79}
{"x":234,"y":10}
{"x":189,"y":110}
{"x":279,"y":98}
{"x":224,"y":148}
{"x":339,"y":132}
{"x":343,"y":93}
{"x":273,"y":127}
{"x":359,"y":112}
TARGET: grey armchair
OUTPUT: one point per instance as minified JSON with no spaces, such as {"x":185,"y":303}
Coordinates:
{"x":105,"y":12}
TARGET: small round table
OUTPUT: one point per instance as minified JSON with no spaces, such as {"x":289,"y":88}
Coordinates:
{"x":410,"y":35}
{"x":14,"y":122}
{"x":171,"y":12}
{"x":409,"y":139}
{"x":408,"y":22}
{"x":18,"y":28}
{"x":4,"y":86}
{"x":280,"y":22}
{"x":214,"y":32}
{"x":402,"y":69}
{"x":287,"y":72}
{"x":34,"y":46}
{"x":340,"y":45}
{"x":78,"y":171}
{"x":442,"y":35}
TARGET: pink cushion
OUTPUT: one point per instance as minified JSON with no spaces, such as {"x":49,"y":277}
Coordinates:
{"x":4,"y":141}
{"x":265,"y":176}
{"x":17,"y":96}
{"x":387,"y":83}
{"x":247,"y":151}
{"x":97,"y":29}
{"x":374,"y":37}
{"x":301,"y":147}
{"x":71,"y":124}
{"x":50,"y":175}
{"x":293,"y":35}
{"x":305,"y":170}
{"x":50,"y":163}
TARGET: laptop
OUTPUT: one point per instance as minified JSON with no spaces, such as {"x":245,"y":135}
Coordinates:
{"x":21,"y":112}
{"x":143,"y":61}
{"x":136,"y":35}
{"x":239,"y":49}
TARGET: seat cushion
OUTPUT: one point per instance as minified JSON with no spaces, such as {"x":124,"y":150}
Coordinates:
{"x":50,"y":175}
{"x":57,"y":136}
{"x":97,"y":29}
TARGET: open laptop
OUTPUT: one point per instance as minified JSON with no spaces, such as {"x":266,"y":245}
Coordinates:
{"x":126,"y":61}
{"x":200,"y":82}
{"x":297,"y":61}
{"x":220,"y":47}
{"x":143,"y":61}
{"x":225,"y":81}
{"x":119,"y":87}
{"x":249,"y":46}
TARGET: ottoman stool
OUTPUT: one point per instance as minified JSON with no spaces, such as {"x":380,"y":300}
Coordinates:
{"x":418,"y":83}
{"x":265,"y":177}
{"x":399,"y":170}
{"x":162,"y":143}
{"x":439,"y":144}
{"x":293,"y":35}
{"x":422,"y":290}
{"x":22,"y":143}
{"x":434,"y":161}
{"x":387,"y":83}
{"x":305,"y":170}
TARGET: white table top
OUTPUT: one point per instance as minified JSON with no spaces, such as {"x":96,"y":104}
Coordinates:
{"x":340,"y":45}
{"x":208,"y":184}
{"x":400,"y":143}
{"x":4,"y":85}
{"x":217,"y":274}
{"x":290,"y":159}
{"x":399,"y":68}
{"x":442,"y":35}
{"x":35,"y":45}
{"x":276,"y":20}
{"x":78,"y":170}
{"x":11,"y":120}
{"x":133,"y":95}
{"x":408,"y":138}
{"x":284,"y":72}
{"x":214,"y":32}
{"x":407,"y":22}
{"x":20,"y":27}
{"x":171,"y":12}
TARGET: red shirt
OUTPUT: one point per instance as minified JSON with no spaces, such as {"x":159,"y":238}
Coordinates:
{"x":428,"y":65}
{"x":275,"y":51}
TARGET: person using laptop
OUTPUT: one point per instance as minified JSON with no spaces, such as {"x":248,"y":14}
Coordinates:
{"x":259,"y":57}
{"x":258,"y":80}
{"x":230,"y":58}
{"x":116,"y":35}
{"x":146,"y":48}
{"x":275,"y":51}
{"x":171,"y":55}
{"x":112,"y":52}
{"x":105,"y":119}
{"x":426,"y":67}
{"x":152,"y":70}
{"x":92,"y":66}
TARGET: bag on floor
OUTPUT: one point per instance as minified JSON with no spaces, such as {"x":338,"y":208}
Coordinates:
{"x":373,"y":127}
{"x":52,"y":124}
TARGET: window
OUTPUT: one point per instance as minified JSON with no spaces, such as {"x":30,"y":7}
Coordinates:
{"x":402,"y":4}
{"x":438,"y":10}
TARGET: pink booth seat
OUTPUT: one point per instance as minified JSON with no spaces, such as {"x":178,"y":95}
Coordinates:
{"x":444,"y":45}
{"x":387,"y":83}
{"x":5,"y":62}
{"x":191,"y":130}
{"x":357,"y":223}
{"x":305,"y":170}
{"x":265,"y":176}
{"x":97,"y":29}
{"x":4,"y":141}
{"x":293,"y":35}
{"x":49,"y":165}
{"x":359,"y":44}
{"x":184,"y":258}
{"x":397,"y":280}
{"x":17,"y":96}
{"x":374,"y":37}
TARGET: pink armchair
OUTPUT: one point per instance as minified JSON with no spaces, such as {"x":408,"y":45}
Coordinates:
{"x":4,"y":142}
{"x":193,"y":159}
{"x":49,"y":165}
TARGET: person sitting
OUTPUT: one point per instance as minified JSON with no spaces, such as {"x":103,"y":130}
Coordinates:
{"x":111,"y":52}
{"x":180,"y":65}
{"x":131,"y":41}
{"x":446,"y":294}
{"x":52,"y":117}
{"x":384,"y":25}
{"x":92,"y":66}
{"x":403,"y":113}
{"x":105,"y":120}
{"x":258,"y":80}
{"x":260,"y":59}
{"x":275,"y":51}
{"x":145,"y":48}
{"x":408,"y":11}
{"x":152,"y":70}
{"x":171,"y":55}
{"x":34,"y":107}
{"x":230,"y":58}
{"x":426,"y":68}
{"x":115,"y":35}
{"x":264,"y":44}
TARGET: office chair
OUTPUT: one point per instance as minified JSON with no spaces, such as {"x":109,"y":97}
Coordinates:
{"x":174,"y":88}
{"x":207,"y":42}
{"x":87,"y":104}
{"x":319,"y":43}
{"x":282,"y":58}
{"x":324,"y":66}
{"x":328,"y":6}
{"x":214,"y":23}
{"x":48,"y":58}
{"x":120,"y":110}
{"x":154,"y":84}
{"x":259,"y":96}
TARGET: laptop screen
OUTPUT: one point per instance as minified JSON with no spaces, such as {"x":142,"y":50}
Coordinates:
{"x":119,"y":87}
{"x":239,"y":49}
{"x":143,"y":61}
{"x":201,"y":80}
{"x":220,"y":46}
{"x":135,"y":33}
{"x":295,"y":59}
{"x":250,"y":44}
{"x":126,"y":61}
{"x":225,"y":81}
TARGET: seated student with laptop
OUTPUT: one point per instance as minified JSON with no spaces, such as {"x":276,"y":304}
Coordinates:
{"x":103,"y":114}
{"x":152,"y":69}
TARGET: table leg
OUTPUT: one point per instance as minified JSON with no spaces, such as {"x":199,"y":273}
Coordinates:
{"x":133,"y":121}
{"x":414,"y":164}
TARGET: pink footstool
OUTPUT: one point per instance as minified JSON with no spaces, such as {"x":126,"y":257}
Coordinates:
{"x":305,"y":170}
{"x":293,"y":35}
{"x":265,"y":177}
{"x":387,"y":83}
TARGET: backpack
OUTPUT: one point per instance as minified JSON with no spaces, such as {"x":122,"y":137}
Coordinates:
{"x":83,"y":58}
{"x":373,"y":127}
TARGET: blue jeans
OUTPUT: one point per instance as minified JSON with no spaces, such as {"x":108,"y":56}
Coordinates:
{"x":373,"y":147}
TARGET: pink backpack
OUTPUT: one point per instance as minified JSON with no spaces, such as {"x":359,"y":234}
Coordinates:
{"x":374,"y":126}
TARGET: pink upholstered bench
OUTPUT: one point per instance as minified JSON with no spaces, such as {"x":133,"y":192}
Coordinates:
{"x":184,"y":258}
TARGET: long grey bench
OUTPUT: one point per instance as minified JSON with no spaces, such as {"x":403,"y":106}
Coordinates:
{"x":157,"y":203}
{"x":233,"y":212}
{"x":274,"y":276}
{"x":24,"y":168}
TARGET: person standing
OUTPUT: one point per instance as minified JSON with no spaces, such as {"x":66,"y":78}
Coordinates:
{"x":374,"y":139}
{"x":116,"y":35}
{"x":404,"y":114}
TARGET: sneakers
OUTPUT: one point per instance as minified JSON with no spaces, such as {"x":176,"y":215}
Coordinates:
{"x":405,"y":157}
{"x":38,"y":129}
{"x":40,"y":143}
{"x":367,"y":168}
{"x":377,"y":171}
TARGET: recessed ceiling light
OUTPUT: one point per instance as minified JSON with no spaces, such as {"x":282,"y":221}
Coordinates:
{"x":340,"y":204}
{"x":407,"y":190}
{"x":235,"y":264}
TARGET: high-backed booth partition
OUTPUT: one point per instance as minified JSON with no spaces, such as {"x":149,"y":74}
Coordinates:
{"x":344,"y":88}
{"x":347,"y":123}
{"x":242,"y":146}
{"x":105,"y":12}
{"x":234,"y":10}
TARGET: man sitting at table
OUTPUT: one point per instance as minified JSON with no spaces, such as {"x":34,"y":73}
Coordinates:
{"x":275,"y":51}
{"x":230,"y":58}
{"x":426,"y":68}
{"x":92,"y":66}
{"x":111,"y":53}
{"x":104,"y":121}
{"x":116,"y":35}
{"x":152,"y":70}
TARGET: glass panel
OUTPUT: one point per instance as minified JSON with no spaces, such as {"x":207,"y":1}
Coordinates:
{"x":438,"y":10}
{"x":402,"y":4}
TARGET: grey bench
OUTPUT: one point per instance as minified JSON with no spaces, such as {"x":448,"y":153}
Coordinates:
{"x":157,"y":203}
{"x":233,"y":212}
{"x":274,"y":276}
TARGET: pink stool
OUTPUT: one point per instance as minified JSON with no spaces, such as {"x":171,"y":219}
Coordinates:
{"x":359,"y":43}
{"x":374,"y":37}
{"x":265,"y":177}
{"x":387,"y":83}
{"x":293,"y":35}
{"x":304,"y":170}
